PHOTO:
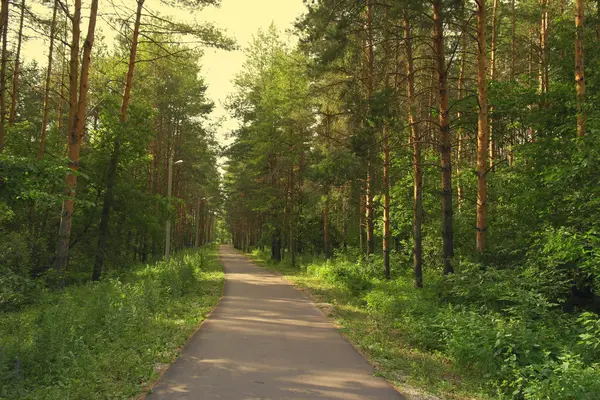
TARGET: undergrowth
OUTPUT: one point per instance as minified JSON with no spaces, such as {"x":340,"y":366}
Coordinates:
{"x":475,"y":334}
{"x":108,"y":339}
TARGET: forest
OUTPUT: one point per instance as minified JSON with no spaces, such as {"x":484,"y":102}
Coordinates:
{"x":428,"y":168}
{"x":106,"y":152}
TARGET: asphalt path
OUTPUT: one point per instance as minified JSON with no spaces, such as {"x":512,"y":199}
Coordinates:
{"x":267,"y":340}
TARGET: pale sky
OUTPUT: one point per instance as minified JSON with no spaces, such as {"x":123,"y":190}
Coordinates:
{"x":240,"y":18}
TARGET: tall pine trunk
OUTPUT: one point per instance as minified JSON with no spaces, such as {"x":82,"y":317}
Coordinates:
{"x":461,"y":130}
{"x":17,"y":69}
{"x":387,"y":235}
{"x":3,"y":60}
{"x":326,"y":225}
{"x":415,"y":137}
{"x":292,"y":221}
{"x":385,"y":139}
{"x":543,"y":64}
{"x":482,"y":126}
{"x":77,"y":109}
{"x":492,"y":144}
{"x":47,"y":83}
{"x":445,"y":143}
{"x":111,"y":182}
{"x":579,"y":68}
{"x":369,"y":179}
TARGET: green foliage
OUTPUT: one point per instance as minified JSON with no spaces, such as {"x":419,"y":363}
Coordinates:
{"x":496,"y":330}
{"x":107,"y":339}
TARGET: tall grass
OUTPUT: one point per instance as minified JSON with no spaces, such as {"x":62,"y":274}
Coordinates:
{"x":107,"y":339}
{"x":478,"y":333}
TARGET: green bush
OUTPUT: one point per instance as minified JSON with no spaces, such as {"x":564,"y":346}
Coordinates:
{"x":501,"y":332}
{"x":104,"y":339}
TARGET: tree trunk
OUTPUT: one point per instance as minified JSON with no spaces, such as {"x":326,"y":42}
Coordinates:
{"x":513,"y":56}
{"x":292,"y":211}
{"x":77,"y":108}
{"x":543,"y":65}
{"x":417,"y":167}
{"x":387,"y":235}
{"x":461,"y":130}
{"x":369,"y":208}
{"x":513,"y":39}
{"x":369,"y":182}
{"x":326,"y":226}
{"x":4,"y":57}
{"x":598,"y":18}
{"x":17,"y":69}
{"x":482,"y":127}
{"x":276,"y":246}
{"x":579,"y":69}
{"x":492,"y":145}
{"x":114,"y":159}
{"x":61,"y":103}
{"x":445,"y":144}
{"x":48,"y":83}
{"x":361,"y":223}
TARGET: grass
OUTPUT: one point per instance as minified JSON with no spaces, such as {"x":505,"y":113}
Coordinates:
{"x":476,"y":334}
{"x":109,"y":339}
{"x":413,"y":371}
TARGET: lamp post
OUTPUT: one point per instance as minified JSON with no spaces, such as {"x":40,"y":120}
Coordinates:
{"x":169,"y":192}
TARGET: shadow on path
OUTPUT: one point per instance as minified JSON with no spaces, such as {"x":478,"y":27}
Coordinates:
{"x":266,"y":340}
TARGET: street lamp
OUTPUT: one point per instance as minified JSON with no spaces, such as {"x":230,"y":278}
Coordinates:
{"x":169,"y":191}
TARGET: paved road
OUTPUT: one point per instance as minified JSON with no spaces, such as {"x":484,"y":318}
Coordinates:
{"x":266,"y":340}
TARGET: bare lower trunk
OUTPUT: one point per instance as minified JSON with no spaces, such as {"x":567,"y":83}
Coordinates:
{"x":579,"y":69}
{"x":369,"y":182}
{"x":4,"y":57}
{"x":492,"y":144}
{"x":369,"y":209}
{"x":77,"y":108}
{"x":292,"y":222}
{"x":543,"y":64}
{"x":482,"y":127}
{"x":387,"y":235}
{"x":513,"y":56}
{"x":107,"y":205}
{"x":445,"y":144}
{"x":361,"y":223}
{"x":326,"y":226}
{"x":415,"y":138}
{"x":461,"y":131}
{"x":513,"y":39}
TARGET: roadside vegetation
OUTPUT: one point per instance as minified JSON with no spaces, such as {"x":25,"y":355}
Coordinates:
{"x":442,"y":156}
{"x":109,"y":339}
{"x":459,"y":337}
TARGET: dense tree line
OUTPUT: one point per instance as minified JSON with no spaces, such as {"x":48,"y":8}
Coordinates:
{"x":87,"y":140}
{"x":450,"y":146}
{"x":346,"y":136}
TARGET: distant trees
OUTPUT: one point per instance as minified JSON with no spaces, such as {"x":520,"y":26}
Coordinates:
{"x":403,"y":92}
{"x":269,"y":158}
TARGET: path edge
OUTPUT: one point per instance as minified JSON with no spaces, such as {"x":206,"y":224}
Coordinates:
{"x":309,"y":296}
{"x":147,"y":390}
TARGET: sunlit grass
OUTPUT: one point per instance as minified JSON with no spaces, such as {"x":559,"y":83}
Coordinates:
{"x":414,"y":371}
{"x":109,"y":339}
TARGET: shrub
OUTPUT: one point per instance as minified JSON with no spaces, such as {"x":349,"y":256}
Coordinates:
{"x":103,"y":339}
